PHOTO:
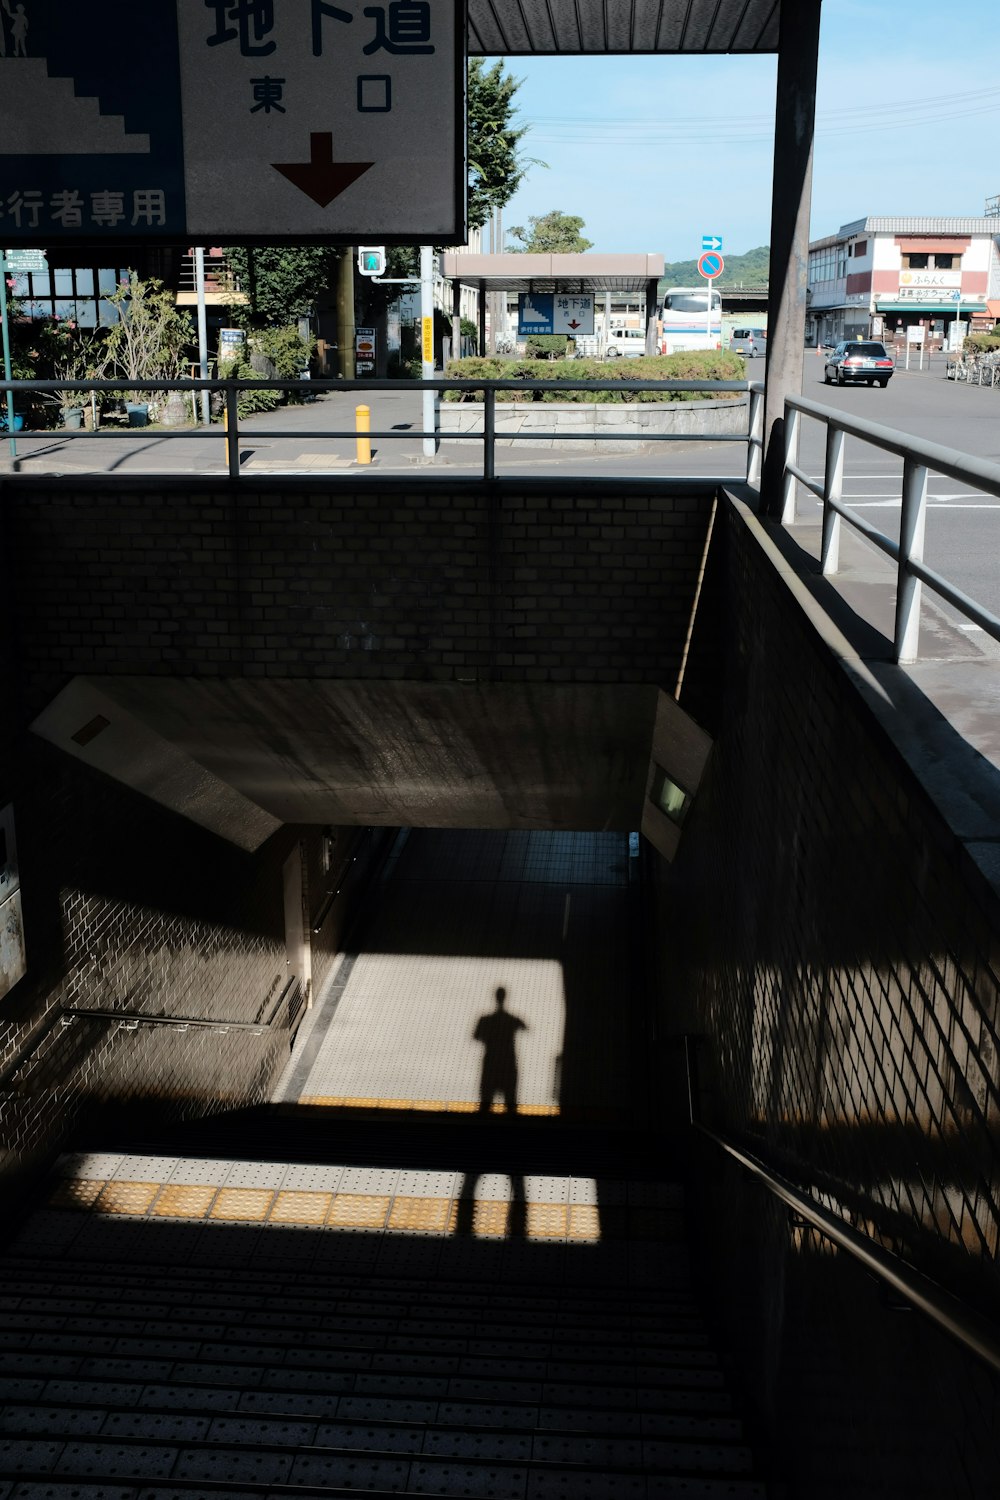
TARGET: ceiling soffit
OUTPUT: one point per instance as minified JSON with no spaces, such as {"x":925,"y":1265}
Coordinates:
{"x":524,"y":28}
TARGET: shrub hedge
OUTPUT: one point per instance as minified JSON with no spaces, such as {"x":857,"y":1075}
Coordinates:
{"x":709,"y":364}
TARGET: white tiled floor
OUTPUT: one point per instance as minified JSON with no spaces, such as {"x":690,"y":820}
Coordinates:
{"x":541,"y":915}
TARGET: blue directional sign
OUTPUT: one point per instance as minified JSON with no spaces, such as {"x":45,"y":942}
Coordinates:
{"x":205,"y":121}
{"x":711,"y":242}
{"x":534,"y":312}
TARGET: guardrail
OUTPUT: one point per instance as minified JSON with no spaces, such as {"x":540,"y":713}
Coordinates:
{"x":231,"y":390}
{"x":920,"y":458}
{"x":949,"y":1312}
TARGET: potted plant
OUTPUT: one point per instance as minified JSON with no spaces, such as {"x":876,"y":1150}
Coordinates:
{"x":148,"y":340}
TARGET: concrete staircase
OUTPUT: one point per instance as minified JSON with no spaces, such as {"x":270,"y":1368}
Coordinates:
{"x":178,"y":1326}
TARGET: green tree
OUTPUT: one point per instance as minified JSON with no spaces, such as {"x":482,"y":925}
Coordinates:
{"x":148,"y":338}
{"x":496,"y":167}
{"x":554,"y":233}
{"x":279,"y":283}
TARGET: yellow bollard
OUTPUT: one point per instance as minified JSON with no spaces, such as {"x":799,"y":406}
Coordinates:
{"x":225,"y":430}
{"x":363,"y":426}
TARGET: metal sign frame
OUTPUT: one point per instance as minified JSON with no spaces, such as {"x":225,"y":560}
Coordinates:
{"x":129,"y":66}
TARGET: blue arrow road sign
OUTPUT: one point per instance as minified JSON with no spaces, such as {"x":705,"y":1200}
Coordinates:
{"x":711,"y":242}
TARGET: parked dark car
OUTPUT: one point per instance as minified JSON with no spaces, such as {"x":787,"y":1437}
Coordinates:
{"x":859,"y":360}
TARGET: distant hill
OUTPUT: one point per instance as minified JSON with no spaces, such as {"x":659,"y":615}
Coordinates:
{"x":750,"y":269}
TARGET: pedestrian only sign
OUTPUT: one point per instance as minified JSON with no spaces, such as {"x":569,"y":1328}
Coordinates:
{"x":555,"y":312}
{"x":214,"y":122}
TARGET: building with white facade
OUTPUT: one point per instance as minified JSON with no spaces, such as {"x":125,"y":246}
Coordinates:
{"x":880,"y":277}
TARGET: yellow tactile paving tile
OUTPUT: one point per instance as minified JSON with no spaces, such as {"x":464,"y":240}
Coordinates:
{"x":79,"y":1193}
{"x":547,"y":1220}
{"x":460,"y":1107}
{"x":301,"y":1208}
{"x":584,"y":1221}
{"x":428,"y":1214}
{"x":184,"y":1200}
{"x":490,"y":1218}
{"x":359,"y":1211}
{"x":126,"y":1197}
{"x":249,"y":1205}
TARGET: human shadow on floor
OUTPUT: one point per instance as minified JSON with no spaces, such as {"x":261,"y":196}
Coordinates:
{"x":497,"y":1030}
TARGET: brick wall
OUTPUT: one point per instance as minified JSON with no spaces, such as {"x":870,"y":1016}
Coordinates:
{"x":382,"y":581}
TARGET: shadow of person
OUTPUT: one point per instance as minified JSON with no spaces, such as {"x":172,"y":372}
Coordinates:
{"x":497,"y":1030}
{"x":511,"y":1221}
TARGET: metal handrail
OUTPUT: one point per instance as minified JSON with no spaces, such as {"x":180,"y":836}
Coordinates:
{"x":232,"y":389}
{"x":920,"y":458}
{"x":961,"y":1322}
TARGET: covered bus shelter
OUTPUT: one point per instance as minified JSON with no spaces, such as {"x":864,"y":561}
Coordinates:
{"x":562,"y":274}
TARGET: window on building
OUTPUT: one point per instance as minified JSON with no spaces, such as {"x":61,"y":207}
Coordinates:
{"x":944,"y":262}
{"x":916,"y":262}
{"x":860,"y":248}
{"x":79,"y":296}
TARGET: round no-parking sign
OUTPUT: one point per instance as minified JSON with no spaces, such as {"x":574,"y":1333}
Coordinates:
{"x":711,"y":264}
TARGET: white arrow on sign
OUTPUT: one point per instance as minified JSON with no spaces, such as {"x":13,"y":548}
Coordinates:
{"x":711,"y":242}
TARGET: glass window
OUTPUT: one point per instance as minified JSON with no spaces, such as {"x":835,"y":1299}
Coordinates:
{"x":915,"y":262}
{"x":944,"y":262}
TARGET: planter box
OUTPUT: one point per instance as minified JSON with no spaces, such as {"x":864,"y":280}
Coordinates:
{"x":695,"y":420}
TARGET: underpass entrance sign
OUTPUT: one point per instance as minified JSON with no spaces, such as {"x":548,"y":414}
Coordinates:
{"x":227,"y":123}
{"x":555,"y":312}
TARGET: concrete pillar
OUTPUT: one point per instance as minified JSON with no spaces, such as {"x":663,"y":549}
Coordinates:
{"x":652,"y":315}
{"x":794,"y":126}
{"x":456,"y":319}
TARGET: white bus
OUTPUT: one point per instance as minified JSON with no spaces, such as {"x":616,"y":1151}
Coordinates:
{"x":685,"y":321}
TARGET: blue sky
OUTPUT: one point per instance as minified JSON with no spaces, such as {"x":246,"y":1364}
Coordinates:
{"x":654,"y":152}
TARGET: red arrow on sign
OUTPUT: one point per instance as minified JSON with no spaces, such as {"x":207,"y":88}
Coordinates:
{"x":574,"y":324}
{"x":321,"y":178}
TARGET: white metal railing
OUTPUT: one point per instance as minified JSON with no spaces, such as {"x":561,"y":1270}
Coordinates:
{"x":231,"y":390}
{"x":920,"y":459}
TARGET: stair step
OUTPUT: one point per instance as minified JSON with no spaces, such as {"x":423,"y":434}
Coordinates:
{"x":252,"y":1455}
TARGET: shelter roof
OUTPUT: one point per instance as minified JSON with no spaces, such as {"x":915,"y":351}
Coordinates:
{"x":553,"y":273}
{"x":521,"y":28}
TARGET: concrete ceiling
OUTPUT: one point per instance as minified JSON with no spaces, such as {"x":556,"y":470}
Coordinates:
{"x":521,"y":28}
{"x":439,"y":755}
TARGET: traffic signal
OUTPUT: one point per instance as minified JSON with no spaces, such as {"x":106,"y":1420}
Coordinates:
{"x":371,"y":260}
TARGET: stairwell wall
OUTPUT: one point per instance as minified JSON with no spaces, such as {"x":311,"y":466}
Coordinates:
{"x":837,"y":948}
